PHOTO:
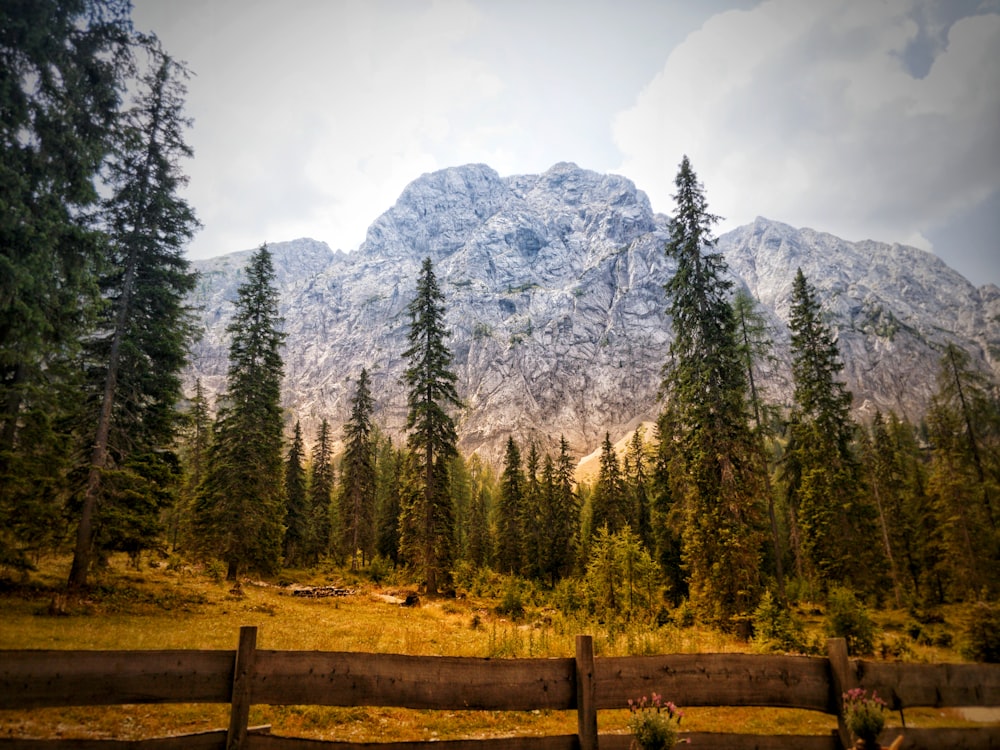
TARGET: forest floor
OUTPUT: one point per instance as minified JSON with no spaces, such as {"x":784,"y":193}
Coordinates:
{"x":178,"y":606}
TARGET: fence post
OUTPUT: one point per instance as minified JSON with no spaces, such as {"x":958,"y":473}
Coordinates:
{"x":239,"y":716}
{"x":842,"y":679}
{"x":586,"y":693}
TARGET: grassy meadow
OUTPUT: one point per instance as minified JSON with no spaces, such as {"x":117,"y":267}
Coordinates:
{"x":178,"y":606}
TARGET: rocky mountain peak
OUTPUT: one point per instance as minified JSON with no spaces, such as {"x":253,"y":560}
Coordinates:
{"x":555,"y":302}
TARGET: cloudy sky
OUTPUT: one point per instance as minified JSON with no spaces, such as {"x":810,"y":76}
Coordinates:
{"x":865,"y":118}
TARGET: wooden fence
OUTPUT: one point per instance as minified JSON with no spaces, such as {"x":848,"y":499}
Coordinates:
{"x":585,"y":684}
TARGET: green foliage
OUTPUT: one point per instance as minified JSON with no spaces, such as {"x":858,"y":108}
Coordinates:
{"x":509,"y":512}
{"x":848,"y":618}
{"x":428,"y":526}
{"x":622,"y":582}
{"x":240,"y":509}
{"x":834,"y":520}
{"x":981,"y":639}
{"x":298,"y":519}
{"x":776,"y":628}
{"x":134,"y":356}
{"x":357,"y":506}
{"x":609,"y":505}
{"x":715,"y":469}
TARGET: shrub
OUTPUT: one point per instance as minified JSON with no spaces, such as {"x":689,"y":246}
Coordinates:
{"x":775,"y":628}
{"x":848,"y":618}
{"x":981,"y":641}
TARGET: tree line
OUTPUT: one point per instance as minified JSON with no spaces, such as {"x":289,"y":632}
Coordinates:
{"x":725,"y":502}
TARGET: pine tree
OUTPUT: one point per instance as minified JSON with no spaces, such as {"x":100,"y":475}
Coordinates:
{"x":63,"y":68}
{"x":608,"y":502}
{"x":241,"y":505}
{"x":704,"y":382}
{"x":510,"y":511}
{"x":142,"y":342}
{"x":324,"y":516}
{"x":535,"y":535}
{"x":828,"y":510}
{"x":636,"y":479}
{"x":561,"y":514}
{"x":388,"y":481}
{"x":358,"y":474}
{"x":298,"y":519}
{"x":196,"y":436}
{"x":755,"y":349}
{"x":432,"y":438}
{"x":964,"y":428}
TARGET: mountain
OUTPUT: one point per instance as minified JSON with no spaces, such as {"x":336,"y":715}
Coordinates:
{"x":555,"y":302}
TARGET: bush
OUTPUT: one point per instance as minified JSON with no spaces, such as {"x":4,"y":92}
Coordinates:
{"x":981,"y":641}
{"x":775,"y":628}
{"x":848,"y":618}
{"x":512,"y":602}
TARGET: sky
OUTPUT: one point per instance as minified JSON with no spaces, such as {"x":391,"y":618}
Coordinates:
{"x":868,"y":119}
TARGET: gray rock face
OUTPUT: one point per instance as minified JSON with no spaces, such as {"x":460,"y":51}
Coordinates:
{"x":555,"y":303}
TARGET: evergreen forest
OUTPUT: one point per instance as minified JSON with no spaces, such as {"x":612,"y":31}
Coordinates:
{"x":727,"y":506}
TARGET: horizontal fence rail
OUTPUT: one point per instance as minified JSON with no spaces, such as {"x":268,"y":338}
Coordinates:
{"x":585,"y":684}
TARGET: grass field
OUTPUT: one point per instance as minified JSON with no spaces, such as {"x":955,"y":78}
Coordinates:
{"x":183,"y":607}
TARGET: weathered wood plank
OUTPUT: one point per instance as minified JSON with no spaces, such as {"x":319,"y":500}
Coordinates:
{"x":42,"y":679}
{"x":843,"y":677}
{"x":716,"y":680}
{"x":586,"y":693}
{"x":937,"y":685}
{"x":211,"y":740}
{"x":214,"y":740}
{"x":324,"y":678}
{"x":243,"y":672}
{"x":553,"y":742}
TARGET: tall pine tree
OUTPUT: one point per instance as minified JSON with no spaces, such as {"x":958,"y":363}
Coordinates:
{"x":510,"y":511}
{"x":64,"y":65}
{"x":141,"y":345}
{"x":357,"y":477}
{"x":298,"y":520}
{"x":720,"y":474}
{"x":241,"y":505}
{"x":829,"y":513}
{"x":432,"y":439}
{"x":324,"y":516}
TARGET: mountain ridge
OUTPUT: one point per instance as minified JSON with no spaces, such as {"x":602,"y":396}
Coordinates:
{"x":554,"y":297}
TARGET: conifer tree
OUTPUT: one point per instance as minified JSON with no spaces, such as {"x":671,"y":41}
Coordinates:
{"x":755,"y":349}
{"x":324,"y":515}
{"x":535,"y":535}
{"x":608,"y":501}
{"x":196,"y":436}
{"x":635,"y":477}
{"x":358,"y":474}
{"x":510,"y":511}
{"x":720,"y":474}
{"x":964,"y":429}
{"x":140,"y":346}
{"x":298,"y":519}
{"x":63,"y":68}
{"x":429,"y":520}
{"x":561,"y":516}
{"x":388,"y":480}
{"x":241,"y":504}
{"x":830,"y":514}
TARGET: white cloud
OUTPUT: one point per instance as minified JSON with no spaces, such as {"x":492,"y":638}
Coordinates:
{"x":310,"y":114}
{"x":805,"y":112}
